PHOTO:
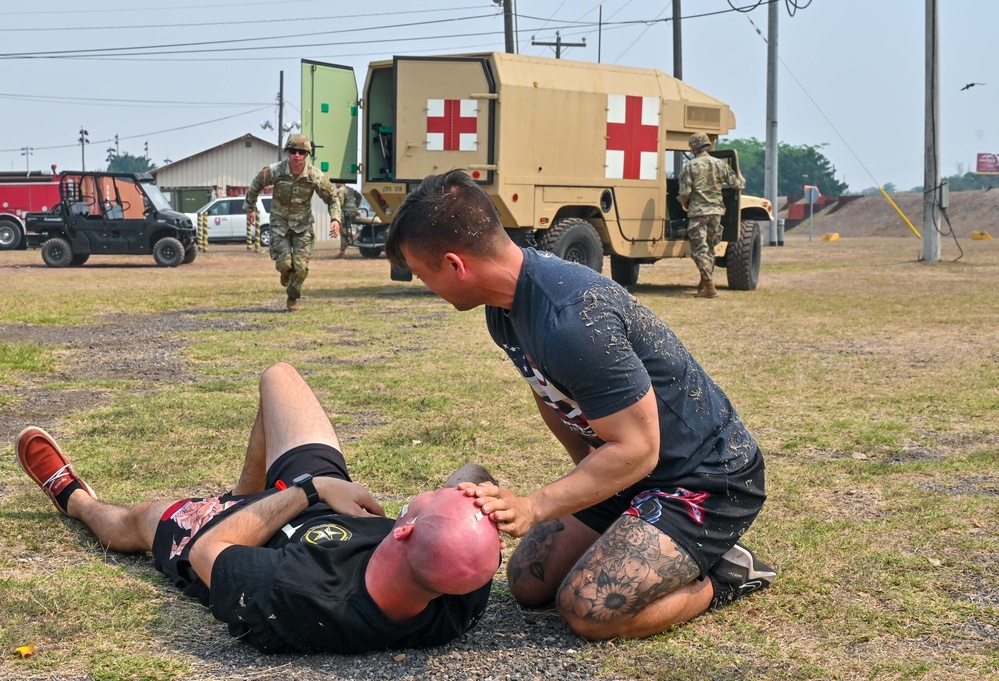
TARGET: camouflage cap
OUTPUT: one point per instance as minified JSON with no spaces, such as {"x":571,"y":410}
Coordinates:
{"x":698,"y":140}
{"x":298,"y":141}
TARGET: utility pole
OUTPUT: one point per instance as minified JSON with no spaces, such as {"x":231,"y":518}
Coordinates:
{"x":117,"y":147}
{"x":280,"y":130}
{"x":83,"y":141}
{"x":770,"y":160}
{"x":600,"y":31}
{"x":26,"y":153}
{"x":931,"y":139}
{"x":147,"y":149}
{"x":677,"y":73}
{"x":558,"y":44}
{"x":508,"y":25}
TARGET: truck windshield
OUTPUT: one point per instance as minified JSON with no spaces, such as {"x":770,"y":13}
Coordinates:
{"x":156,"y":196}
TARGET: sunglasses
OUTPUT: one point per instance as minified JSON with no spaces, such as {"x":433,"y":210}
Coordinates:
{"x":297,"y":152}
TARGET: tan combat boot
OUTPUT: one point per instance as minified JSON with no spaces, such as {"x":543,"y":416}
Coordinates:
{"x":340,"y":255}
{"x":294,"y":305}
{"x":707,"y":289}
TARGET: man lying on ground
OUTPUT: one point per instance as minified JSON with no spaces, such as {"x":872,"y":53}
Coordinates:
{"x":297,"y":557}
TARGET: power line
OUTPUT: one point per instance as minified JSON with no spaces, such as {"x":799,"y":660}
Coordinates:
{"x":121,"y":102}
{"x":148,"y":134}
{"x":227,"y":23}
{"x":108,"y":51}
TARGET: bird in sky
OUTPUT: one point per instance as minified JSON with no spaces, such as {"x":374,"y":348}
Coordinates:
{"x":970,"y":85}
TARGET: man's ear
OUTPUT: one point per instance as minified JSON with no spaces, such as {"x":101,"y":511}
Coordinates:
{"x":455,"y":261}
{"x":403,"y":531}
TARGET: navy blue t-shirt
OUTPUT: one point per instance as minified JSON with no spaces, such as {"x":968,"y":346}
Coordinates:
{"x":589,"y":349}
{"x":306,"y":593}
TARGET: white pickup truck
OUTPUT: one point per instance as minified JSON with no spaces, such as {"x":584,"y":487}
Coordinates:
{"x":227,"y":219}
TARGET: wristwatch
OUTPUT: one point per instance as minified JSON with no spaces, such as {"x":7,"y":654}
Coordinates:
{"x":305,"y":482}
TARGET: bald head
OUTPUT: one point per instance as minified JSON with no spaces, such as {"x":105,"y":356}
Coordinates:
{"x":450,"y":546}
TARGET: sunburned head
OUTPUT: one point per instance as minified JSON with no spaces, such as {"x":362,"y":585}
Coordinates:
{"x":451,"y":548}
{"x":446,"y":213}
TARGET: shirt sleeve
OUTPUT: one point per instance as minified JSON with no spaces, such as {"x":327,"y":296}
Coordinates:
{"x":329,"y":194}
{"x":686,"y":187}
{"x":597,"y":363}
{"x":263,"y":179}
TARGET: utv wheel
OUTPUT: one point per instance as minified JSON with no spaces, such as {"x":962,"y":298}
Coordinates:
{"x":265,"y":237}
{"x":742,"y":258}
{"x":189,"y":255}
{"x":369,"y":251}
{"x":624,"y":270}
{"x":80,"y":258}
{"x":10,"y":235}
{"x":168,"y":252}
{"x":57,"y":252}
{"x":575,"y":240}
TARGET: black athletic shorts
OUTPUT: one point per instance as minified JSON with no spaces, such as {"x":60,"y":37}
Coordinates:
{"x":179,"y":525}
{"x":704,"y":513}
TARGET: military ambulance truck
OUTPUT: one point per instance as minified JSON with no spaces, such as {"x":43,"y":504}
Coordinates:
{"x":571,"y":153}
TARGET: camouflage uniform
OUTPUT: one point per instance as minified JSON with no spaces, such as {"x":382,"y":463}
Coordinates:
{"x":701,"y":183}
{"x":292,"y":232}
{"x":350,"y":200}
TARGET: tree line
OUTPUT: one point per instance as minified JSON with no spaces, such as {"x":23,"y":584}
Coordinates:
{"x":805,"y":164}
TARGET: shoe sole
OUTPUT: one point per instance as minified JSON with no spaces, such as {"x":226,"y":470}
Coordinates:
{"x":55,"y":445}
{"x":744,"y":558}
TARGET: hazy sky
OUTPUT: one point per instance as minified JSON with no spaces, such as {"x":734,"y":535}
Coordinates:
{"x":184,"y":76}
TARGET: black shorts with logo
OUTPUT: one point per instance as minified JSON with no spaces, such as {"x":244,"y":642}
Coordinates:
{"x":181,"y":523}
{"x":704,"y":513}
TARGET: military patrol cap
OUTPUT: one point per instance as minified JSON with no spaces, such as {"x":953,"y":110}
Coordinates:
{"x":698,"y":140}
{"x":298,"y":141}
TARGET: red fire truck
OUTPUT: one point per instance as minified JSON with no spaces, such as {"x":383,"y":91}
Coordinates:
{"x":21,"y":193}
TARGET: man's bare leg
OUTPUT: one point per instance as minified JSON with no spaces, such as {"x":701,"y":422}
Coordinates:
{"x":633,"y":582}
{"x":126,"y":529}
{"x":543,"y":558}
{"x":288,"y":415}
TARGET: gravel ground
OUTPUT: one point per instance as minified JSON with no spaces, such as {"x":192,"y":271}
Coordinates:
{"x":509,"y":643}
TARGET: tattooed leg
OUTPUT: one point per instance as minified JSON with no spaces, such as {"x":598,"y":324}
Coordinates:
{"x":544,"y":556}
{"x":633,"y":582}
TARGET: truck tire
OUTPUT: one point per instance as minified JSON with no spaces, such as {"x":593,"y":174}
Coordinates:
{"x":79,"y":259}
{"x":57,"y":252}
{"x":369,"y":251}
{"x":624,"y":270}
{"x":10,"y":235}
{"x":265,"y":236}
{"x":742,"y":259}
{"x":189,"y":255}
{"x":168,"y":252}
{"x":575,"y":240}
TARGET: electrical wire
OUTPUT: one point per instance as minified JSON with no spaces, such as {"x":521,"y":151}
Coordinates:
{"x":339,"y":17}
{"x":147,"y":134}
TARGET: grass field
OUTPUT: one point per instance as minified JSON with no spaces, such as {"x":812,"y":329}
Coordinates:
{"x":871,"y":381}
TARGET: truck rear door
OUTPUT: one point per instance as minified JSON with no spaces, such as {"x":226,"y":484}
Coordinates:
{"x":444,"y":116}
{"x":329,"y":118}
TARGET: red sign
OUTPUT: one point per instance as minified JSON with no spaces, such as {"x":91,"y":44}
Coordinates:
{"x":634,"y":133}
{"x":451,"y":125}
{"x":988,"y":164}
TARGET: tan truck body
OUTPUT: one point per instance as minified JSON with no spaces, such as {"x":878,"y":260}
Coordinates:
{"x":571,"y":153}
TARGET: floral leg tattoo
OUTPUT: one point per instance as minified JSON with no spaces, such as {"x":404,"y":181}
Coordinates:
{"x":534,"y":551}
{"x":625,"y":570}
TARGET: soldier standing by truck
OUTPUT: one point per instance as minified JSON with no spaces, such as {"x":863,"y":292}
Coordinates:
{"x":350,"y":201}
{"x":700,"y":194}
{"x":295,"y":180}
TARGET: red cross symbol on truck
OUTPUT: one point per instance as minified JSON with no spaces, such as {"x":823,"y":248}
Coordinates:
{"x":451,"y":125}
{"x":629,"y":131}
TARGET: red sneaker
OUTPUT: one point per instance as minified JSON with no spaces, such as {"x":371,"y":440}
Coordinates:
{"x":41,"y":458}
